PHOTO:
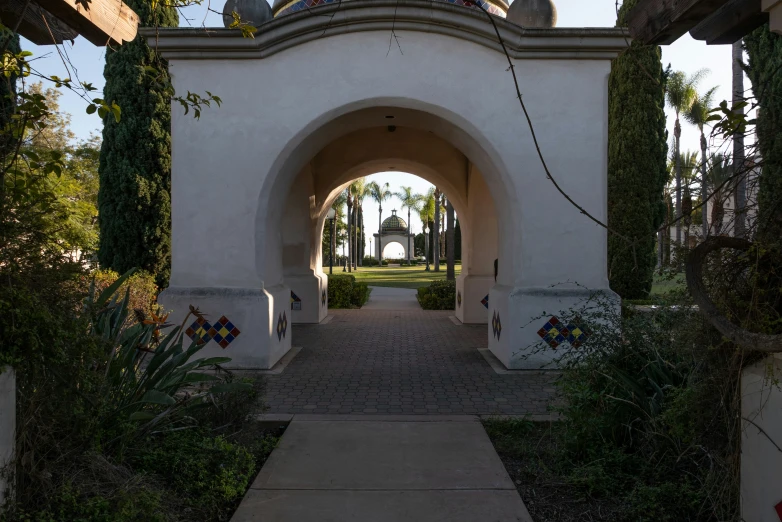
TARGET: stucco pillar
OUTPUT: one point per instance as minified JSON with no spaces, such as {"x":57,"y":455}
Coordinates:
{"x":761,"y":429}
{"x":479,"y":250}
{"x":213,"y":248}
{"x":301,"y":254}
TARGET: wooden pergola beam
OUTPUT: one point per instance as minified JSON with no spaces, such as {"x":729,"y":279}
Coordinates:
{"x":662,"y":22}
{"x":730,"y":22}
{"x":102,"y":22}
{"x":35,"y":23}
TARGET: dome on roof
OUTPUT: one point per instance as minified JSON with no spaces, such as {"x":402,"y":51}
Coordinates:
{"x":253,"y":12}
{"x":533,"y":13}
{"x":394,"y":223}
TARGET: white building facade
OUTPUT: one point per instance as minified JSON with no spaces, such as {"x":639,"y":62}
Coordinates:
{"x":327,"y":94}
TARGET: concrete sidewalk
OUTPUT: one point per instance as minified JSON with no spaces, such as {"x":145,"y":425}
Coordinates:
{"x":383,"y":469}
{"x":385,"y":298}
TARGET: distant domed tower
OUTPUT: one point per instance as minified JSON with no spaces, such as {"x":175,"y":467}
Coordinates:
{"x":393,"y":224}
{"x":533,"y":13}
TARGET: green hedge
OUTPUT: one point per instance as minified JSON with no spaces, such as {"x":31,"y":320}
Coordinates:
{"x":345,"y":292}
{"x":440,"y":295}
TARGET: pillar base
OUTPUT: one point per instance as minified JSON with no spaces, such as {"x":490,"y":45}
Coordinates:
{"x":309,"y":298}
{"x":517,"y":314}
{"x":471,"y":293}
{"x":262,"y":316}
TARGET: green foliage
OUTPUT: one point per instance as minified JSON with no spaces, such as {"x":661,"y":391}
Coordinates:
{"x":764,"y":50}
{"x":440,"y":295}
{"x":209,"y":471}
{"x":140,"y":284}
{"x":649,"y":427}
{"x":361,"y":293}
{"x":135,"y":160}
{"x":636,"y":165}
{"x":345,"y":292}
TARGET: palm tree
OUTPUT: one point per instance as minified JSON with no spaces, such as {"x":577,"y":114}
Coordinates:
{"x":410,"y":201}
{"x":379,"y":193}
{"x":436,"y":237}
{"x":740,"y":188}
{"x":720,"y":172}
{"x":697,"y":115}
{"x":426,"y":214}
{"x":687,"y":163}
{"x":360,"y":191}
{"x":680,"y":93}
{"x":337,"y":206}
{"x":349,"y":202}
{"x":450,"y":243}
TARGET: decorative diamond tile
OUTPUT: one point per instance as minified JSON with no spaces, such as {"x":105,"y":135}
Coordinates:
{"x":295,"y":302}
{"x":224,"y":332}
{"x":496,"y":325}
{"x":555,"y":332}
{"x":485,"y":301}
{"x":282,"y":326}
{"x":199,"y":331}
{"x":459,"y":298}
{"x":323,"y":297}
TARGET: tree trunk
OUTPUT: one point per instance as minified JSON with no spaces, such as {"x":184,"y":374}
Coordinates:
{"x":436,"y":230}
{"x":677,"y":133}
{"x":740,"y":185}
{"x":350,"y":242}
{"x":360,"y":237}
{"x":704,"y":189}
{"x":379,"y":234}
{"x":409,"y":228}
{"x":333,"y":245}
{"x":450,"y":243}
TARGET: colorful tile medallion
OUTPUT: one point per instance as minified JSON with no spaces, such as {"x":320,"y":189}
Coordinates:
{"x":302,"y":5}
{"x":485,"y":301}
{"x":323,"y":297}
{"x":282,"y":326}
{"x":224,"y":332}
{"x":555,"y":332}
{"x":199,"y":331}
{"x":459,"y":298}
{"x":295,"y":302}
{"x":496,"y":325}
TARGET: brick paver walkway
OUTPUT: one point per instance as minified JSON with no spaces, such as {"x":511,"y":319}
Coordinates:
{"x":400,"y":362}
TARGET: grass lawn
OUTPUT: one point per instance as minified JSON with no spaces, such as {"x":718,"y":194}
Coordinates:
{"x":399,"y":276}
{"x":664,"y":284}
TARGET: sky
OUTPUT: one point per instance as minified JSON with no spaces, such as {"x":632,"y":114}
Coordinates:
{"x":687,"y":55}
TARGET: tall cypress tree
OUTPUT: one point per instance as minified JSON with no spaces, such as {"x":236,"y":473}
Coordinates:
{"x":764,"y":50}
{"x":637,"y":151}
{"x":134,"y":200}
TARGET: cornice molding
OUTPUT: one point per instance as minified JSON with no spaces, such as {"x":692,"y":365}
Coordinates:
{"x":356,"y":16}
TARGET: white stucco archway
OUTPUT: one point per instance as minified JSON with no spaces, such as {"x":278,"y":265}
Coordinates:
{"x":294,"y":98}
{"x":395,"y":239}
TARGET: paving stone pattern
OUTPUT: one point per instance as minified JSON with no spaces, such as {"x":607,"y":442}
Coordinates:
{"x":400,"y":362}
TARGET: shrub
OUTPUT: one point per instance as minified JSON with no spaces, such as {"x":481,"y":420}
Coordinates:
{"x":440,"y":295}
{"x":647,"y":415}
{"x":143,"y":289}
{"x":345,"y":292}
{"x":360,"y":294}
{"x":208,"y":470}
{"x":370,"y":261}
